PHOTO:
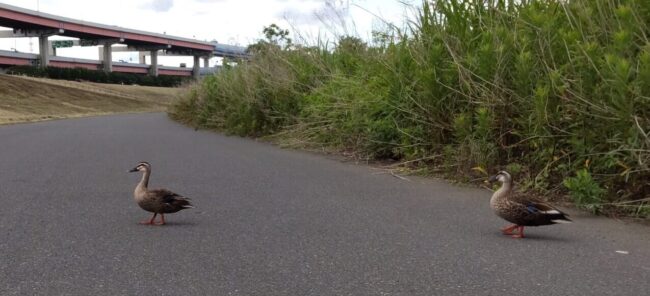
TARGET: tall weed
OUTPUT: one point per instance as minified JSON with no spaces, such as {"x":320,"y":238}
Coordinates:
{"x":549,"y":85}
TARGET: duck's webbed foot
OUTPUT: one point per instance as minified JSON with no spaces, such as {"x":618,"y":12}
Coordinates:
{"x":509,"y":230}
{"x":150,"y":221}
{"x":520,"y":234}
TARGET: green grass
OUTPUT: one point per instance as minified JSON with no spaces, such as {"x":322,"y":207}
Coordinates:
{"x":549,"y":88}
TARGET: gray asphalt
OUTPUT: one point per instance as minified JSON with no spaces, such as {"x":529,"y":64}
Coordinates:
{"x":270,"y":221}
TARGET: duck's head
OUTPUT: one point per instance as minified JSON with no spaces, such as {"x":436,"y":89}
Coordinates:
{"x":501,"y":176}
{"x":141,"y":167}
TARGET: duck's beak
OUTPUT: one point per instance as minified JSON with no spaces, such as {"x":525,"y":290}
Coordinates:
{"x":133,"y":170}
{"x":493,"y":179}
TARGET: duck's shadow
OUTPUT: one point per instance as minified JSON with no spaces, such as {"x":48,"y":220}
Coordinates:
{"x":537,"y":237}
{"x":171,"y":224}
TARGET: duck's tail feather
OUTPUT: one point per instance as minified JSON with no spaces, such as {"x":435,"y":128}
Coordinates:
{"x":183,"y":203}
{"x":561,"y":218}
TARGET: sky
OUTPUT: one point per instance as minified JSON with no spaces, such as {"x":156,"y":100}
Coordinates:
{"x":236,"y":22}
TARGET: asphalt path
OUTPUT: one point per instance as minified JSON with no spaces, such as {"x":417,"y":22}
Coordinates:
{"x":270,"y":221}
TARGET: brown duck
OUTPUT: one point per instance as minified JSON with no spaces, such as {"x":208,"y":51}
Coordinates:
{"x":157,"y":201}
{"x":521,"y":210}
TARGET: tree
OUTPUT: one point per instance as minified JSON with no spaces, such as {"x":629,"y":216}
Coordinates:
{"x":275,"y":37}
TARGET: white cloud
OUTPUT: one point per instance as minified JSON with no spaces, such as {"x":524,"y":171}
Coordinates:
{"x":298,"y":17}
{"x":327,"y":11}
{"x":159,"y":5}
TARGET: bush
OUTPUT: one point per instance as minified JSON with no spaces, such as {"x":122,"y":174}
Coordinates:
{"x":546,"y":84}
{"x":586,"y":193}
{"x":96,"y":76}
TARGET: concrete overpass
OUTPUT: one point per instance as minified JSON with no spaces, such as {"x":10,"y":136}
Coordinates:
{"x":30,"y":23}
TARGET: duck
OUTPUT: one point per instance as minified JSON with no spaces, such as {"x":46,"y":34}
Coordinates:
{"x":520,"y":209}
{"x":156,"y":201}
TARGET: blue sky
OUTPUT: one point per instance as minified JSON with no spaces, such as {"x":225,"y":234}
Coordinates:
{"x":238,"y":22}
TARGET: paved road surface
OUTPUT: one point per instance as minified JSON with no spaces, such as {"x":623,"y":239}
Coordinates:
{"x":271,"y":222}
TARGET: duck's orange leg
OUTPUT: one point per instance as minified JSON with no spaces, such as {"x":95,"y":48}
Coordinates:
{"x":150,"y":221}
{"x":162,"y":219}
{"x":520,"y":234}
{"x":508,"y":230}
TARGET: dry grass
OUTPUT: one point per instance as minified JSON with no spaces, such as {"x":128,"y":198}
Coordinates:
{"x":25,"y":99}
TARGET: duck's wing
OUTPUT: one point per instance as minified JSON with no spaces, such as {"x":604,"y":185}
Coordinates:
{"x":170,"y":198}
{"x":537,"y":212}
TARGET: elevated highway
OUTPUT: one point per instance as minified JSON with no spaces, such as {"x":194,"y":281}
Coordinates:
{"x":30,"y":23}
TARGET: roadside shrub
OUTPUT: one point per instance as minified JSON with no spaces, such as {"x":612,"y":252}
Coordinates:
{"x":546,"y":84}
{"x":96,"y":76}
{"x":585,"y":191}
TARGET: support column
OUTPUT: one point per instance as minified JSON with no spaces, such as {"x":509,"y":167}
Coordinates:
{"x":108,"y":58}
{"x":43,"y":51}
{"x":206,"y":62}
{"x":196,"y":69}
{"x":142,"y":57}
{"x":153,"y":69}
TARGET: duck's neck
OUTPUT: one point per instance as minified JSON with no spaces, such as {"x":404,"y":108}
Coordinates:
{"x":145,"y":180}
{"x":503,"y":191}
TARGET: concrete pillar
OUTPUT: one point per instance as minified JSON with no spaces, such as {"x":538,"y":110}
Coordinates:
{"x":153,"y":69}
{"x":43,"y":51}
{"x":142,"y":57}
{"x":206,"y":62}
{"x":108,"y":58}
{"x":51,"y":49}
{"x":196,"y":69}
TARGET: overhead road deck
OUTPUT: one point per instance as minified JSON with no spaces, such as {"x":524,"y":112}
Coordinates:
{"x":30,"y":23}
{"x":10,"y":58}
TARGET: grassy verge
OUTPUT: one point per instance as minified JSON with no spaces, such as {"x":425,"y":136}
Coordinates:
{"x":556,"y":92}
{"x":24,"y":99}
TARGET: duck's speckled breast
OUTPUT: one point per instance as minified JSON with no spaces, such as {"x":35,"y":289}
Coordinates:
{"x":143,"y":200}
{"x":502,"y":207}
